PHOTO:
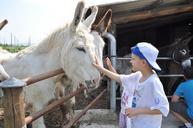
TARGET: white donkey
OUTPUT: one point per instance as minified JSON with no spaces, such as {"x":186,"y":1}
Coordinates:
{"x":73,"y":48}
{"x":63,"y":83}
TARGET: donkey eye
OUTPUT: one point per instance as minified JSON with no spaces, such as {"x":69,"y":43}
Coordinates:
{"x":81,"y":49}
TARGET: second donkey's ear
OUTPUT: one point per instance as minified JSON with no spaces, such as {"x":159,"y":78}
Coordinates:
{"x":91,"y":18}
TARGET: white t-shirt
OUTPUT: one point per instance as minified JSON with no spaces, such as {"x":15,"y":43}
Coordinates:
{"x":127,"y":96}
{"x":148,"y":94}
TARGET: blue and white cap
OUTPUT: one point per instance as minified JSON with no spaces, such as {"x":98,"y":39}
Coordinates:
{"x":148,"y":52}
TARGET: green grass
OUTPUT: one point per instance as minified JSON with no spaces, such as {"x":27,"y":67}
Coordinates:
{"x":12,"y":48}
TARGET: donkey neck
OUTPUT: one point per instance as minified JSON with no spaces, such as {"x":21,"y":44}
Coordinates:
{"x":29,"y":62}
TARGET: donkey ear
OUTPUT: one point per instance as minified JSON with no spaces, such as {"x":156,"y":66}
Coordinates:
{"x":78,"y":15}
{"x":186,"y":39}
{"x":189,"y":39}
{"x":91,"y":18}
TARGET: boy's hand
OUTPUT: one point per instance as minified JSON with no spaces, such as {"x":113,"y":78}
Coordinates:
{"x":130,"y":112}
{"x":109,"y":65}
{"x":110,"y":74}
{"x":108,"y":62}
{"x":96,"y":64}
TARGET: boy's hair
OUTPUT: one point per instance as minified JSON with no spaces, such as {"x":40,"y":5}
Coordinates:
{"x":188,"y":73}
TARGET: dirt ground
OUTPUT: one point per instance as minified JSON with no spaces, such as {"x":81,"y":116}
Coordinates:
{"x":54,"y":119}
{"x":102,"y":103}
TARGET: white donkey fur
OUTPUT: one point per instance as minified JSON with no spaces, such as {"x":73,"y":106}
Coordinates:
{"x":73,"y":48}
{"x":3,"y":74}
{"x":64,"y":84}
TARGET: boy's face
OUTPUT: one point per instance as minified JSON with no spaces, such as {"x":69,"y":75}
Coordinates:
{"x":136,"y":62}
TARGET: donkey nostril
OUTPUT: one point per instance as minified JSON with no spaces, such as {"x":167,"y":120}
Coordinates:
{"x":94,"y":82}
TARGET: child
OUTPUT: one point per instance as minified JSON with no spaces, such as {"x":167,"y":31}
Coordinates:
{"x":185,"y":89}
{"x":144,"y":87}
{"x":124,"y":121}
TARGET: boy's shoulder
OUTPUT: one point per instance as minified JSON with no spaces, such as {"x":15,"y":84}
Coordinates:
{"x":154,"y":79}
{"x":131,"y":76}
{"x":136,"y":74}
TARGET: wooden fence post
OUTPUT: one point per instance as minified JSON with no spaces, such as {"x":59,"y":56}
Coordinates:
{"x":13,"y":103}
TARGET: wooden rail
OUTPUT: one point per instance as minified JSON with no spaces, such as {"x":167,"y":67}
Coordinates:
{"x":14,"y":114}
{"x":73,"y":121}
{"x":13,"y":100}
{"x":55,"y":104}
{"x":181,"y":118}
{"x":3,"y":23}
{"x":36,"y":78}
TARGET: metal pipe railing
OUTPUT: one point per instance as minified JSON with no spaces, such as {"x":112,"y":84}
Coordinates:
{"x":113,"y":54}
{"x":171,"y":75}
{"x":159,"y":58}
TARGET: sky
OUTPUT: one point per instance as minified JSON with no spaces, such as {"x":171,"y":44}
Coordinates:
{"x":30,"y":21}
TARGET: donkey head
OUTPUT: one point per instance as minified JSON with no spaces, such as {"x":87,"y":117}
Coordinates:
{"x":82,"y":49}
{"x":181,"y":53}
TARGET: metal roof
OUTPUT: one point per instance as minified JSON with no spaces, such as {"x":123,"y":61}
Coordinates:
{"x":140,"y":10}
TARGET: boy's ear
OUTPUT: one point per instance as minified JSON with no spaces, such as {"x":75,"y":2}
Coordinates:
{"x":145,"y":62}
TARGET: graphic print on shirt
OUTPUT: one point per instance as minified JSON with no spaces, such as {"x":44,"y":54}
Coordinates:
{"x":136,"y":97}
{"x":157,"y":100}
{"x":124,"y":99}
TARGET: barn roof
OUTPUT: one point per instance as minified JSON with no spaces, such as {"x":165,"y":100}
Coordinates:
{"x":144,"y":10}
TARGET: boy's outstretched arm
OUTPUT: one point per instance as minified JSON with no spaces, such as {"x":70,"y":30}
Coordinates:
{"x":109,"y":65}
{"x":108,"y":73}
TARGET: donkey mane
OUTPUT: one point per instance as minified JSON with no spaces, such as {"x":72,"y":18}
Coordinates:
{"x":48,"y":43}
{"x":45,"y":45}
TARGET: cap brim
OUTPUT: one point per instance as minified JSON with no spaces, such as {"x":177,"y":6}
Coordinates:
{"x":155,"y":66}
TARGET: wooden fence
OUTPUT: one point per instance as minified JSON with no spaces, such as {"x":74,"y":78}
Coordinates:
{"x":13,"y":101}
